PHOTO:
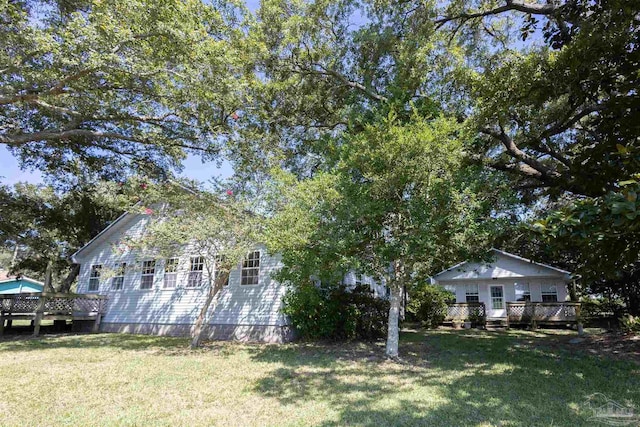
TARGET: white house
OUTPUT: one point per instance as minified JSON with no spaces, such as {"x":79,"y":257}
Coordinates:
{"x":508,"y":278}
{"x":164,"y":296}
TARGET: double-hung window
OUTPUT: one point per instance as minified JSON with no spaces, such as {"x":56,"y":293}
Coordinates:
{"x":195,"y":272}
{"x":549,"y":293}
{"x":148,"y":271}
{"x":523,"y":293}
{"x":251,"y":269}
{"x":94,"y":277}
{"x":170,"y":273}
{"x":117,"y":281}
{"x":471,"y":293}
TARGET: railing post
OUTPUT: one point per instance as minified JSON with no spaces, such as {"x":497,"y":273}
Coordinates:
{"x":39,"y":313}
{"x":507,"y":306}
{"x":96,"y":323}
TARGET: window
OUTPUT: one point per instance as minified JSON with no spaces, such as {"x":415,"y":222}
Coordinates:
{"x":358,"y":279}
{"x":549,"y":293}
{"x":148,"y":270}
{"x":251,"y":269}
{"x":170,"y":273}
{"x":522,"y":292}
{"x":94,"y":278}
{"x":220,"y":260}
{"x":471,"y":293}
{"x":117,"y":282}
{"x":195,"y":272}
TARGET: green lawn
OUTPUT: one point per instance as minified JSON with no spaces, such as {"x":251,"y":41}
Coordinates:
{"x":446,"y":378}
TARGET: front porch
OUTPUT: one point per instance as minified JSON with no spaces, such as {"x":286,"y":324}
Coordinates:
{"x":516,"y":313}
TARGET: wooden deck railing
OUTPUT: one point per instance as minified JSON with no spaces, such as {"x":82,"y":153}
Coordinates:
{"x":542,"y":312}
{"x":51,"y":306}
{"x":465,"y":310}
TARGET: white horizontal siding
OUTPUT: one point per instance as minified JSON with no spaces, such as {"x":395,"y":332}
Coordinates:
{"x":236,"y":304}
{"x":509,"y":288}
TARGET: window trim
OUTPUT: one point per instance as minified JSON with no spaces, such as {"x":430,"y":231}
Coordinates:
{"x":174,"y":273}
{"x":243,"y":268}
{"x":191,"y":270}
{"x":524,"y":294}
{"x":98,"y":269}
{"x":467,"y":293}
{"x":143,"y":274}
{"x":554,"y":293}
{"x":120,"y":268}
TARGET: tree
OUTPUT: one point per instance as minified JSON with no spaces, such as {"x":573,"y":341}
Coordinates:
{"x":219,"y":229}
{"x":398,"y":203}
{"x":559,"y":115}
{"x":46,"y":226}
{"x":118,"y":84}
{"x":552,"y":113}
{"x":545,"y":90}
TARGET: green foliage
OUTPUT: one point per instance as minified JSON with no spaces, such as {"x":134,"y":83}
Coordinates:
{"x":428,"y":304}
{"x":335,"y":312}
{"x":594,"y":308}
{"x":49,"y":224}
{"x":108,"y":85}
{"x":630,"y":323}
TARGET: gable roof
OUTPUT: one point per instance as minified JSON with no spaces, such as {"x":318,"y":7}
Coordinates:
{"x":509,"y":255}
{"x":100,"y":235}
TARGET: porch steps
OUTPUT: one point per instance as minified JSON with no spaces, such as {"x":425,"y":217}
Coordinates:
{"x":496,"y":323}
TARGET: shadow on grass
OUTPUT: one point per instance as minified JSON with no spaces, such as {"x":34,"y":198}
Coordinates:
{"x":450,"y":378}
{"x":446,"y":377}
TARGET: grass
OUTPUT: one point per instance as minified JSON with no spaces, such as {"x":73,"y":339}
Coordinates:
{"x":446,"y":377}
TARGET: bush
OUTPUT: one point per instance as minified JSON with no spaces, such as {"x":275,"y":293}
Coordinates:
{"x":630,"y":323}
{"x":428,"y":304}
{"x":336,"y":313}
{"x":595,"y":308}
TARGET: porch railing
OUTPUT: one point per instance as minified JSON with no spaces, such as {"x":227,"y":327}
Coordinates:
{"x":542,"y":312}
{"x":51,"y":306}
{"x":465,"y":310}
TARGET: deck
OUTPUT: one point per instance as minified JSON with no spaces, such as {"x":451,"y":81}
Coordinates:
{"x":51,"y":306}
{"x":518,"y":313}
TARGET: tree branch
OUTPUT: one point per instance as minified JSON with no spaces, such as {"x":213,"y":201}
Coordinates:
{"x":532,"y":166}
{"x":510,"y":5}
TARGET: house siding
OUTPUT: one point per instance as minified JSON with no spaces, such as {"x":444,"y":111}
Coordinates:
{"x":249,"y":308}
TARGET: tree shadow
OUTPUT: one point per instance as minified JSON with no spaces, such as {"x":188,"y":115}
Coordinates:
{"x":449,"y":378}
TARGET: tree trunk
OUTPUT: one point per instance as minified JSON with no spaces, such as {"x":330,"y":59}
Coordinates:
{"x":198,"y":328}
{"x":393,"y":332}
{"x":68,"y":281}
{"x":48,"y":286}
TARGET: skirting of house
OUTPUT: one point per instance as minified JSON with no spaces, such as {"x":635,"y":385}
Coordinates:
{"x":259,"y":333}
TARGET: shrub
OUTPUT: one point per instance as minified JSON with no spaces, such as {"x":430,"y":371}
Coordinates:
{"x":428,"y":304}
{"x":630,"y":323}
{"x":594,"y":308}
{"x":335,"y":312}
